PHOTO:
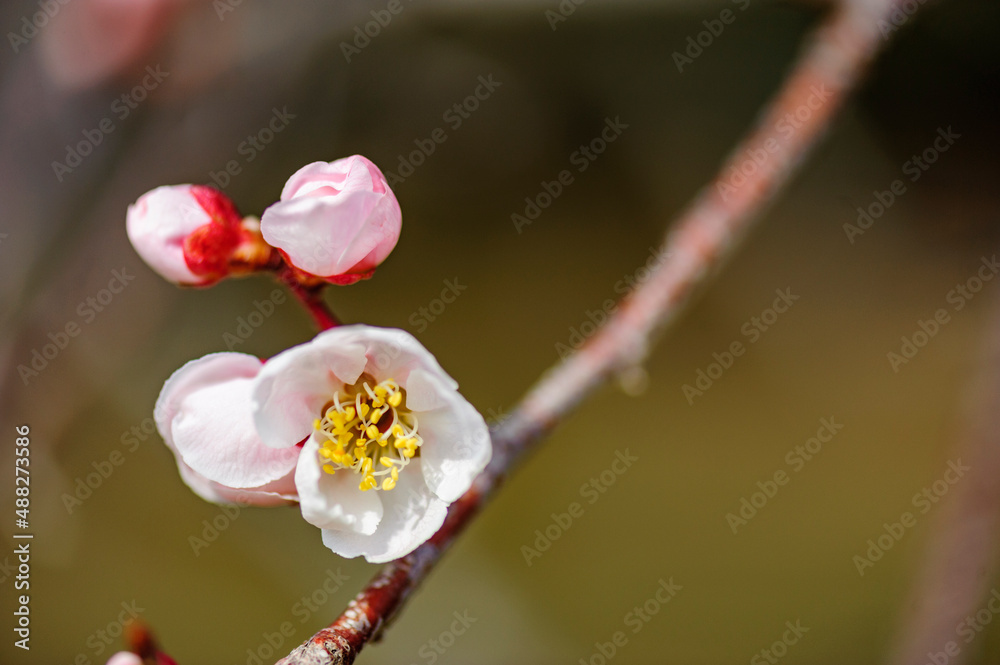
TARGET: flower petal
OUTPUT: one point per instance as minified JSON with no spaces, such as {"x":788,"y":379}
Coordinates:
{"x":412,"y":514}
{"x":390,"y":353}
{"x":334,"y":501}
{"x":279,"y":493}
{"x":157,"y":224}
{"x":457,"y":444}
{"x":204,"y":414}
{"x":337,"y":220}
{"x":293,"y":386}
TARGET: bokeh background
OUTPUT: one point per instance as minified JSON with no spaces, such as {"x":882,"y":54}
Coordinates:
{"x":229,"y":65}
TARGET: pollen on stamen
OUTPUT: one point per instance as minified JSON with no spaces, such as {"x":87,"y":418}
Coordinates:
{"x":373,"y":419}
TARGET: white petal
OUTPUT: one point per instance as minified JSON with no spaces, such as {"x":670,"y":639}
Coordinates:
{"x":412,"y":514}
{"x":293,"y":386}
{"x":334,"y":501}
{"x":391,"y":353}
{"x":456,"y":448}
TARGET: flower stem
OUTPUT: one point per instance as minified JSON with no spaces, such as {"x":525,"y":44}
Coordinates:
{"x":709,"y":230}
{"x":311,"y":297}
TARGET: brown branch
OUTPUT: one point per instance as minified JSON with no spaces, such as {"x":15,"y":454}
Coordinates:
{"x":707,"y":231}
{"x":962,"y":544}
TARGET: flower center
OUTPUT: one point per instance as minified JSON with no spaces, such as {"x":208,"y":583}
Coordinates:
{"x":367,"y":429}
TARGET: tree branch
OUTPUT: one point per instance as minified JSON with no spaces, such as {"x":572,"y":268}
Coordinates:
{"x":962,"y":543}
{"x":706,"y":233}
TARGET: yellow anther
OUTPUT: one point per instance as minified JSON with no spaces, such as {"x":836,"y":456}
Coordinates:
{"x":349,"y":431}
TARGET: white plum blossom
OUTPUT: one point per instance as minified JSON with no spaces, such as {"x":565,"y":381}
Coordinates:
{"x":366,"y":424}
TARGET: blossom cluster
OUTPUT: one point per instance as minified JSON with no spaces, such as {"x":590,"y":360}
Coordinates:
{"x":361,"y":427}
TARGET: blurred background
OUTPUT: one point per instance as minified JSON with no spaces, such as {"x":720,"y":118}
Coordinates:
{"x":174,"y":92}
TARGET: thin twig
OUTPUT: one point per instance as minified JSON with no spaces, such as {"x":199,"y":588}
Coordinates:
{"x":311,"y":297}
{"x":962,"y":544}
{"x":709,"y":230}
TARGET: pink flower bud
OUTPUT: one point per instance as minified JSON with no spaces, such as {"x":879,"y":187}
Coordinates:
{"x":187,"y":233}
{"x":337,"y":221}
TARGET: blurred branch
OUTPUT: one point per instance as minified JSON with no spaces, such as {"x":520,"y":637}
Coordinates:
{"x":709,"y":230}
{"x":962,"y":543}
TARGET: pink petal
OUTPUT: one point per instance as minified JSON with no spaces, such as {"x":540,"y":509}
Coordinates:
{"x":335,"y":219}
{"x":204,"y":411}
{"x":157,"y":225}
